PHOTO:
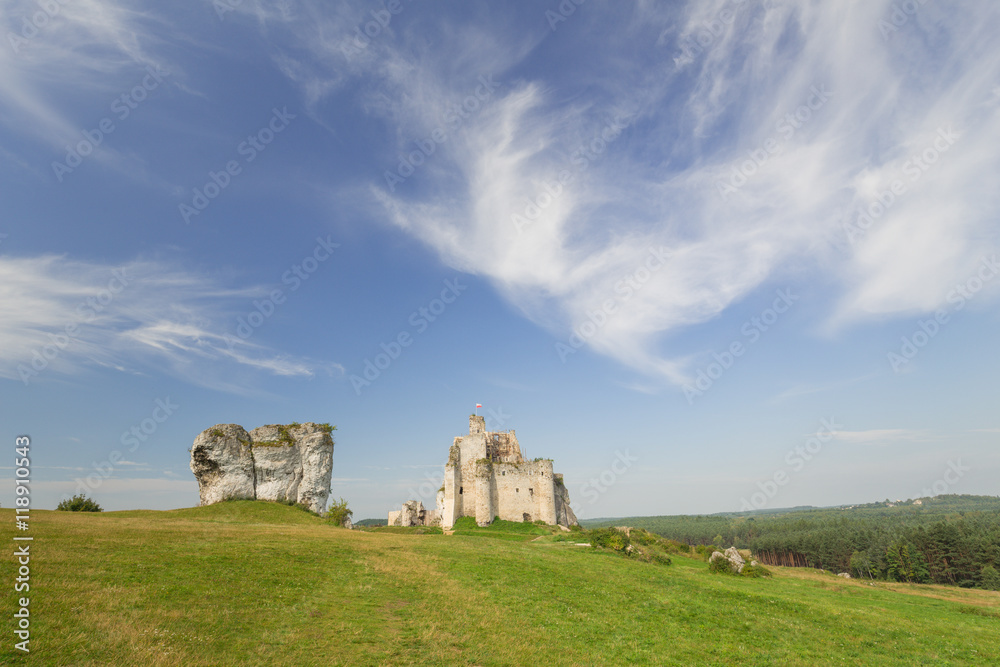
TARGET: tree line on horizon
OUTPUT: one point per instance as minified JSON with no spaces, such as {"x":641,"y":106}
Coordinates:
{"x":953,"y":540}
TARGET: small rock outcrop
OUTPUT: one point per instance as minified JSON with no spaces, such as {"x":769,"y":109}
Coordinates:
{"x":291,"y":463}
{"x":414,"y":514}
{"x":732,"y":555}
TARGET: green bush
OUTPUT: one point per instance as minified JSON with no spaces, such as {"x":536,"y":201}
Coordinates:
{"x":609,"y":538}
{"x":637,"y":544}
{"x":656,"y":556}
{"x":338,"y":512}
{"x":755,"y":571}
{"x":720,"y":566}
{"x":705,"y":551}
{"x":79,"y":503}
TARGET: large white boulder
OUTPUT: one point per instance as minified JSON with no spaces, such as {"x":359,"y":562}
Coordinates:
{"x":285,"y":463}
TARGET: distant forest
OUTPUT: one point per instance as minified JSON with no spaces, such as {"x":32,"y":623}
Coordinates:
{"x":951,"y":539}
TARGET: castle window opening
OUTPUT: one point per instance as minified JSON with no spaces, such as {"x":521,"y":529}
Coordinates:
{"x":460,"y":489}
{"x":531,"y":492}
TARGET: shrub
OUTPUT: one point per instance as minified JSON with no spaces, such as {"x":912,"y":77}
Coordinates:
{"x":755,"y":571}
{"x":637,"y":544}
{"x":338,"y":512}
{"x":656,"y":556}
{"x":79,"y":503}
{"x":705,"y":551}
{"x":609,"y":538}
{"x":720,"y":565}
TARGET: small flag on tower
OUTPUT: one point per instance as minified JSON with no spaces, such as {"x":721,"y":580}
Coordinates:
{"x":479,"y":405}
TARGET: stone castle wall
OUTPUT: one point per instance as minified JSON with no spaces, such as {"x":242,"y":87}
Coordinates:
{"x":486,"y":477}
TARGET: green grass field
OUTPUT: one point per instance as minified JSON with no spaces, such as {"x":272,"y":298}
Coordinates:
{"x":260,"y":583}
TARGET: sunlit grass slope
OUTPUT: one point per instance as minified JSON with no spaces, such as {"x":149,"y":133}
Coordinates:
{"x":260,"y":583}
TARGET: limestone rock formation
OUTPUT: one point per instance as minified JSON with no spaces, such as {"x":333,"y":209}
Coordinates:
{"x":564,"y":513}
{"x":287,"y":463}
{"x":736,"y":561}
{"x":277,"y":464}
{"x":222,"y":462}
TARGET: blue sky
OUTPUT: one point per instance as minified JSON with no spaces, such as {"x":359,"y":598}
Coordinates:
{"x":706,"y":255}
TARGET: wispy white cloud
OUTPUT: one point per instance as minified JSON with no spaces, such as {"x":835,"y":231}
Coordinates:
{"x":83,"y":45}
{"x":61,"y":316}
{"x":879,"y":102}
{"x":743,"y":155}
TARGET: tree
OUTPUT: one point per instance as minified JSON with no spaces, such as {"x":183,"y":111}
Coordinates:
{"x":860,"y":567}
{"x":79,"y":503}
{"x":338,"y":514}
{"x":990,"y":578}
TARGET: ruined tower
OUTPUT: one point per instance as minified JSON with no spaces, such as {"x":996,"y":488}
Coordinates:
{"x":487,"y":477}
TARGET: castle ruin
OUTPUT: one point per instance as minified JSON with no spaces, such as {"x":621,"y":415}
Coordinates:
{"x":486,"y":477}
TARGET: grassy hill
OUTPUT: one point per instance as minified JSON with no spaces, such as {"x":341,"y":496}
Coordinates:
{"x":261,"y":583}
